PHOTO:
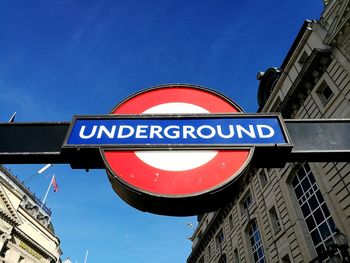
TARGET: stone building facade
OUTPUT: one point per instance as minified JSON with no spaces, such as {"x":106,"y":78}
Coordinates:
{"x":26,"y":231}
{"x":291,"y":214}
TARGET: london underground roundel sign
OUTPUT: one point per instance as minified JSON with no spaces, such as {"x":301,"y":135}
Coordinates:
{"x":175,"y":182}
{"x":176,"y":149}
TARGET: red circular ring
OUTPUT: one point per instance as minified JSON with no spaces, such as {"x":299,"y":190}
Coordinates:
{"x":132,"y":171}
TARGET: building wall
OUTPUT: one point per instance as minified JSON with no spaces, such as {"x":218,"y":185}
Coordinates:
{"x":26,"y":233}
{"x":318,"y":58}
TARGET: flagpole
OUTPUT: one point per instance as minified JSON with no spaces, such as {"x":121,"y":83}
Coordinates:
{"x":44,"y":168}
{"x":47,"y":192}
{"x":12,"y":119}
{"x":87,"y":252}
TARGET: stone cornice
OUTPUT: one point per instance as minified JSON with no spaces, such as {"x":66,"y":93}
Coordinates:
{"x":11,"y":215}
{"x":50,"y":235}
{"x":24,"y":237}
{"x":340,"y":24}
{"x":309,"y":75}
{"x":7,"y":218}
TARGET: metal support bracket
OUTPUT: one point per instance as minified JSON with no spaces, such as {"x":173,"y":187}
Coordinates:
{"x":312,"y":140}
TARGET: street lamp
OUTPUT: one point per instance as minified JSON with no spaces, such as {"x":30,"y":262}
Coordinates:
{"x":339,"y":242}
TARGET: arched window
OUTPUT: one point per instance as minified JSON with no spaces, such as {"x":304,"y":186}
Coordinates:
{"x":223,"y":259}
{"x":314,"y":208}
{"x":256,"y":243}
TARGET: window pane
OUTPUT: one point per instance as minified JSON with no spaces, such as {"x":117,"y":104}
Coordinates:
{"x":263,"y":177}
{"x":310,"y":222}
{"x":295,"y":181}
{"x":223,"y":259}
{"x":324,"y":229}
{"x":305,"y":184}
{"x":331,"y":225}
{"x":276,"y":225}
{"x":219,"y":238}
{"x":319,"y":216}
{"x":230,"y":222}
{"x":307,"y":167}
{"x":320,"y":249}
{"x":298,"y":191}
{"x":324,"y":92}
{"x":236,"y":257}
{"x":325,"y":210}
{"x":301,"y":173}
{"x":305,"y":209}
{"x":315,"y":211}
{"x":319,"y":197}
{"x":286,"y":259}
{"x":315,"y":237}
{"x":312,"y":179}
{"x":313,"y":203}
{"x":255,"y":241}
{"x":327,"y":93}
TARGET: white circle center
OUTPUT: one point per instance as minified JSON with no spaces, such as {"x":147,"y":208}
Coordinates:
{"x":176,"y":160}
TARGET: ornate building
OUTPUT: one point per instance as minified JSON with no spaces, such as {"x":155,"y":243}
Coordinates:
{"x":292,"y":214}
{"x":26,"y":232}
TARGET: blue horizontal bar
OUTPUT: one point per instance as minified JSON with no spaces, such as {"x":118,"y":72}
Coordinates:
{"x":176,"y":131}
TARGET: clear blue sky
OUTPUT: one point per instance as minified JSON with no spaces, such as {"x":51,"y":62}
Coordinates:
{"x":61,"y":58}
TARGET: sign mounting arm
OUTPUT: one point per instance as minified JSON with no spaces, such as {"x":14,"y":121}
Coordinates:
{"x":313,"y":141}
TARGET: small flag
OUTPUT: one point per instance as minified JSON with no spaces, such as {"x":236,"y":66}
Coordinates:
{"x":55,"y":189}
{"x":54,"y":184}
